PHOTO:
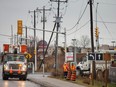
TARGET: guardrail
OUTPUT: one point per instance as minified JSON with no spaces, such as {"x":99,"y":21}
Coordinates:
{"x":112,"y":74}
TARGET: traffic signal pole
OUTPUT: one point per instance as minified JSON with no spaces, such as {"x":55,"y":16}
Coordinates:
{"x":97,"y":32}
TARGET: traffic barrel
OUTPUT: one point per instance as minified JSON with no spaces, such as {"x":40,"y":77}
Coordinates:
{"x":68,"y":75}
{"x":73,"y":76}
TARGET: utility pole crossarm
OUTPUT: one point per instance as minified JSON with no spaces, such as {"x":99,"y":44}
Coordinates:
{"x":58,"y":0}
{"x":42,"y":9}
{"x":45,"y":30}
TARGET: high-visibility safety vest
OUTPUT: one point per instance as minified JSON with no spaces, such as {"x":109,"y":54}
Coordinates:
{"x":65,"y":67}
{"x":73,"y":68}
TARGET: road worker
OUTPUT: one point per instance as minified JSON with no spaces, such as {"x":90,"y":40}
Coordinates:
{"x":65,"y":69}
{"x":73,"y":67}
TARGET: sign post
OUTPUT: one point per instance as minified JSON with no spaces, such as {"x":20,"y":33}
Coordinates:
{"x":107,"y":57}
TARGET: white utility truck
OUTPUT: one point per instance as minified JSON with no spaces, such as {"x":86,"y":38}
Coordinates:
{"x":85,"y":66}
{"x":14,"y":66}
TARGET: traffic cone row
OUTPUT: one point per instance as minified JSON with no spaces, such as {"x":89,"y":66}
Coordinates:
{"x":73,"y":76}
{"x":68,"y":75}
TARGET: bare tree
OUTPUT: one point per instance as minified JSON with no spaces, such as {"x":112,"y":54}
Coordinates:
{"x":85,"y":41}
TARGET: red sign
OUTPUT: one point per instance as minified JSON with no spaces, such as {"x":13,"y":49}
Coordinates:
{"x":23,"y":48}
{"x":42,"y":44}
{"x":6,"y":47}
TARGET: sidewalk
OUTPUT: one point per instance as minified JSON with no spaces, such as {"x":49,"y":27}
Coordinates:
{"x":50,"y":82}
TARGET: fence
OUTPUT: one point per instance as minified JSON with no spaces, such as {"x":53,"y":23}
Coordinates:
{"x":112,"y":74}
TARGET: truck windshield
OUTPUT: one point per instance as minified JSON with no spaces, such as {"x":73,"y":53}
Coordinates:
{"x":14,"y":58}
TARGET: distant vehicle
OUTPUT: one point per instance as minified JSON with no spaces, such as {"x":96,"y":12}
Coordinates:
{"x":14,"y":66}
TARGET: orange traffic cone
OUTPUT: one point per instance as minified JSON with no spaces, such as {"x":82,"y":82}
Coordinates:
{"x":73,"y":76}
{"x":19,"y":71}
{"x":68,"y":75}
{"x":11,"y":70}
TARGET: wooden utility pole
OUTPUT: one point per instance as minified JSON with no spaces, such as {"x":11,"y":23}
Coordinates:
{"x":92,"y":39}
{"x":58,"y":25}
{"x":43,"y":20}
{"x":26,"y":34}
{"x":35,"y":44}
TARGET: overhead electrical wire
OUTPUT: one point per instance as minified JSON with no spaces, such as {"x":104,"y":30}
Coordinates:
{"x":79,"y":19}
{"x":106,"y":26}
{"x":104,"y":23}
{"x":80,"y":14}
{"x":5,"y":35}
{"x":107,"y":3}
{"x":79,"y":28}
{"x":65,"y":10}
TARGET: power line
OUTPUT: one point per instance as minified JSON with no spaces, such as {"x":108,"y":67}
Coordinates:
{"x":79,"y":28}
{"x":106,"y":26}
{"x":79,"y":18}
{"x":107,"y":3}
{"x":65,"y":9}
{"x":5,"y":35}
{"x":106,"y":22}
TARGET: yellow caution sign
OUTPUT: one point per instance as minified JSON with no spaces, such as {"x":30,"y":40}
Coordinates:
{"x":28,"y":55}
{"x":35,"y":52}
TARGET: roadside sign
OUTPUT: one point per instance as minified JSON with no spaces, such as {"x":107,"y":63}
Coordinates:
{"x":19,"y":27}
{"x":107,"y":56}
{"x":69,"y":56}
{"x":99,"y":56}
{"x":91,"y":56}
{"x":95,"y":56}
{"x":28,"y":55}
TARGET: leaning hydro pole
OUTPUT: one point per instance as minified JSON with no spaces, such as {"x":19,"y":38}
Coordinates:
{"x":58,"y":18}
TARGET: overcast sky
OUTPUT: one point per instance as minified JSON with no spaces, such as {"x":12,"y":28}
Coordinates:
{"x":13,"y":10}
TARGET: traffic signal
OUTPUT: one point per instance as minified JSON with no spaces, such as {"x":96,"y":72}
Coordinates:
{"x":96,"y":32}
{"x":35,"y":52}
{"x":19,"y":27}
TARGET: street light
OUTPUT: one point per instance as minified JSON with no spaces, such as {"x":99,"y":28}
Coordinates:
{"x":113,"y":43}
{"x":74,"y":43}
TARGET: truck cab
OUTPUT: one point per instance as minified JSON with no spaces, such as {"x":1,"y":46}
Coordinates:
{"x":84,"y":65}
{"x":14,"y":66}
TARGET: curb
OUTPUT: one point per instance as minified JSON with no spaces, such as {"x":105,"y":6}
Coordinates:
{"x":41,"y":83}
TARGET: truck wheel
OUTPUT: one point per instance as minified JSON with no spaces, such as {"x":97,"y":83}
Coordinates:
{"x":5,"y":78}
{"x":99,"y":75}
{"x":23,"y":78}
{"x":77,"y":72}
